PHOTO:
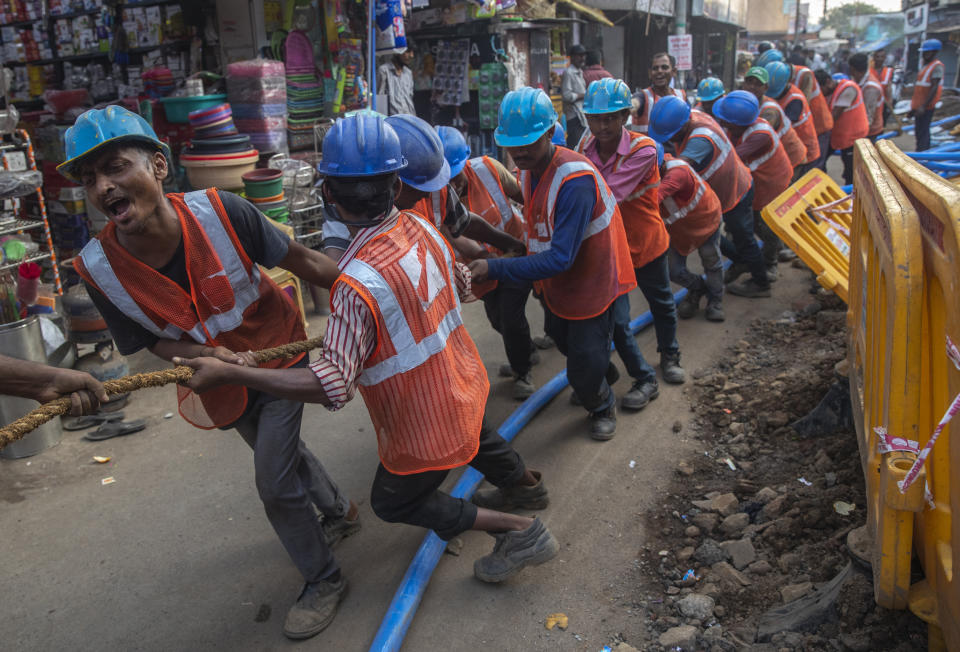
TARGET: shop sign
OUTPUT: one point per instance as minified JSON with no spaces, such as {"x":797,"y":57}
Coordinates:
{"x":681,"y":47}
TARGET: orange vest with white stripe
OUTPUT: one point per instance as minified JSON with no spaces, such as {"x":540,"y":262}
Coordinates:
{"x":432,"y":206}
{"x":922,"y":86}
{"x":230,"y":303}
{"x":692,"y":214}
{"x":601,"y":271}
{"x":822,"y":118}
{"x":646,"y":235}
{"x":725,"y":172}
{"x":424,"y":385}
{"x":649,"y":99}
{"x":796,"y":150}
{"x":804,"y":126}
{"x":875,"y":121}
{"x":485,"y":197}
{"x":770,"y":165}
{"x":884,"y":76}
{"x":852,"y":123}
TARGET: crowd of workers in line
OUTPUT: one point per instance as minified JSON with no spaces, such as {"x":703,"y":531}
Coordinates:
{"x":414,"y":226}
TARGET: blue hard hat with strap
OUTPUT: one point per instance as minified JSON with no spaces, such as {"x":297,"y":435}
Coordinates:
{"x":361,"y":145}
{"x":780,"y":74}
{"x":667,"y":117}
{"x":525,"y":115}
{"x":710,"y":88}
{"x":606,"y":95}
{"x":97,"y":128}
{"x":931,"y":45}
{"x":839,"y":76}
{"x":659,"y":154}
{"x":455,"y":148}
{"x":427,"y":169}
{"x":768,"y":57}
{"x":739,"y":107}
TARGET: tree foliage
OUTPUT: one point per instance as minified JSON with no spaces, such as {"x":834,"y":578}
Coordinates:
{"x":839,"y":17}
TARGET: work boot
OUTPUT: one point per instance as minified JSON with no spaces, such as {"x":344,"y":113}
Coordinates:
{"x":772,"y":273}
{"x":670,"y":367}
{"x":523,"y":387}
{"x":545,"y":342}
{"x":315,"y":609}
{"x":689,"y":305}
{"x":786,"y":255}
{"x":514,"y":550}
{"x":603,"y":424}
{"x":506,"y":371}
{"x":508,"y":499}
{"x":336,"y":530}
{"x":735,"y":271}
{"x":749,"y":289}
{"x":715,"y":311}
{"x":642,"y":392}
{"x":612,"y":375}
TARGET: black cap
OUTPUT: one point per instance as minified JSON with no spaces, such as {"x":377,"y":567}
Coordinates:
{"x":576,"y":49}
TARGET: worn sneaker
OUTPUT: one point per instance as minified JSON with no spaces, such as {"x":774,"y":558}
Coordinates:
{"x":749,"y":289}
{"x":315,"y":609}
{"x":543,"y":343}
{"x":735,"y":271}
{"x":670,"y":367}
{"x":689,"y":305}
{"x":714,"y":311}
{"x":642,"y":392}
{"x":515,"y":550}
{"x":336,"y":530}
{"x":507,"y":499}
{"x":506,"y":371}
{"x":772,"y":273}
{"x":785,"y":255}
{"x":603,"y":424}
{"x":523,"y":387}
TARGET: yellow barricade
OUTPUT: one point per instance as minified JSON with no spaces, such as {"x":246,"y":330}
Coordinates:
{"x":937,"y":204}
{"x":884,"y":342}
{"x":286,"y":280}
{"x":813,"y":219}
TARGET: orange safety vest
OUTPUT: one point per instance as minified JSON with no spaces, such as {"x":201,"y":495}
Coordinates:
{"x":230,"y":303}
{"x":885,"y":77}
{"x":770,"y":166}
{"x":923,"y":83}
{"x":649,"y":99}
{"x":804,"y":126}
{"x":875,"y":121}
{"x":852,"y":123}
{"x":822,"y":118}
{"x":796,"y":150}
{"x":646,"y":234}
{"x":601,"y":271}
{"x":725,"y":172}
{"x":486,"y":197}
{"x":424,"y":385}
{"x":692,"y":214}
{"x":433,"y":206}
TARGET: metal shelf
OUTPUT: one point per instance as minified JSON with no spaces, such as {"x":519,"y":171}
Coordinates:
{"x":20,"y":225}
{"x":29,"y":259}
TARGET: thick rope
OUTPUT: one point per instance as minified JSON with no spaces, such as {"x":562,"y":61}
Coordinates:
{"x":36,"y":418}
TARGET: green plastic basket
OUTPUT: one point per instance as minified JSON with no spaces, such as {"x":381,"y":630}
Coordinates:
{"x":178,"y":109}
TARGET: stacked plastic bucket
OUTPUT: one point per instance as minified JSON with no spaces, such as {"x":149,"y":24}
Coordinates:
{"x":264,"y":188}
{"x":217,"y":156}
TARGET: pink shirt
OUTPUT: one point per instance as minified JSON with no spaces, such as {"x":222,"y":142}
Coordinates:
{"x":622,"y":173}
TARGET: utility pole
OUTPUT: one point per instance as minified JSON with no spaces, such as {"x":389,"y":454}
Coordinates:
{"x":680,"y":27}
{"x":796,"y":23}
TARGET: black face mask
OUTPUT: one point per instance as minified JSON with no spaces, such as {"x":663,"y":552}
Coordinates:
{"x":331,"y":208}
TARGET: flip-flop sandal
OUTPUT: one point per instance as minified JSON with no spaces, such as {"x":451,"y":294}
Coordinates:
{"x":115,"y":429}
{"x":91,"y":420}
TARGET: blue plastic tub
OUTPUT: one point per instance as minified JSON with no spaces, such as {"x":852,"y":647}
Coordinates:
{"x":178,"y":108}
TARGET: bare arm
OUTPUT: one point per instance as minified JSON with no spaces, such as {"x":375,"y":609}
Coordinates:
{"x":468,"y":248}
{"x":481,"y":230}
{"x":312,"y":266}
{"x":44,"y":383}
{"x":297,"y":384}
{"x":170,"y":349}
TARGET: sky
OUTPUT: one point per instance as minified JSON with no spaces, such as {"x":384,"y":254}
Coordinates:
{"x":816,"y":6}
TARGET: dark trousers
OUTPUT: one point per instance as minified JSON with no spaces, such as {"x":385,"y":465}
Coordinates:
{"x":506,"y":308}
{"x":743,"y":249}
{"x":415,"y":499}
{"x":771,"y":243}
{"x":586,"y":345}
{"x":653,"y":279}
{"x":824,"y":141}
{"x":922,"y":129}
{"x":846,"y":155}
{"x":575,"y":130}
{"x":290,"y":481}
{"x":626,"y":344}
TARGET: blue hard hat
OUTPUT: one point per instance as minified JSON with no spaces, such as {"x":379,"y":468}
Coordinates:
{"x":559,"y":135}
{"x":606,"y":95}
{"x":839,"y":76}
{"x":710,"y":88}
{"x":768,"y":57}
{"x":525,"y":115}
{"x":931,"y":45}
{"x":455,"y":148}
{"x":361,"y":145}
{"x":780,"y":74}
{"x":427,"y":169}
{"x":98,"y":127}
{"x":739,"y":107}
{"x":659,"y":154}
{"x":667,"y":117}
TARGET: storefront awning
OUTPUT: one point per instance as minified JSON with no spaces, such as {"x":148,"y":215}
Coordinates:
{"x":588,"y":12}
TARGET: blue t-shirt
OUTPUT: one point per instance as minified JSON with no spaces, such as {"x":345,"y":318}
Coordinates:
{"x":698,"y":153}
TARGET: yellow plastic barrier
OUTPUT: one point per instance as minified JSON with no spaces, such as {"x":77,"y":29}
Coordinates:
{"x":813,"y":219}
{"x":884,"y":342}
{"x":937,"y":203}
{"x":286,"y":280}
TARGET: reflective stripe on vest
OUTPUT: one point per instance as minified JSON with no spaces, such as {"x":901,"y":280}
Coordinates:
{"x":641,"y":191}
{"x":492,"y":186}
{"x":843,"y":85}
{"x":761,"y":126}
{"x":804,"y":115}
{"x":410,"y":354}
{"x":723,"y":146}
{"x":676,"y":212}
{"x":796,"y":80}
{"x":923,"y":79}
{"x":246,"y":287}
{"x":437,"y":208}
{"x":785,"y":123}
{"x":649,"y":99}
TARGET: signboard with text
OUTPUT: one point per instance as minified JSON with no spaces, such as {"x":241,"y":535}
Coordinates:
{"x":681,"y":47}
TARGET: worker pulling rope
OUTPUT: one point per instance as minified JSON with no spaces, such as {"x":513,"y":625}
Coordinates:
{"x":36,"y":418}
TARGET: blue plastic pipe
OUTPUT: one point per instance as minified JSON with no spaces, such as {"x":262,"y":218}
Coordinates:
{"x":931,"y":155}
{"x":405,"y":601}
{"x":892,"y":134}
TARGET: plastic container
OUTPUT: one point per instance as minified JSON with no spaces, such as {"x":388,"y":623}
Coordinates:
{"x":264,"y":183}
{"x":256,"y":68}
{"x":225,"y":173}
{"x":178,"y":109}
{"x":246,"y":110}
{"x":28,"y":283}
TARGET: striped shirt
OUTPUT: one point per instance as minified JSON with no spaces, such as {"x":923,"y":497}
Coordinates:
{"x":351,"y":335}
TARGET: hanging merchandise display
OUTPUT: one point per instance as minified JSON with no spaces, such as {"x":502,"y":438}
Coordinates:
{"x":389,"y":20}
{"x":257,"y":92}
{"x":492,"y":87}
{"x":304,"y":92}
{"x":451,"y":81}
